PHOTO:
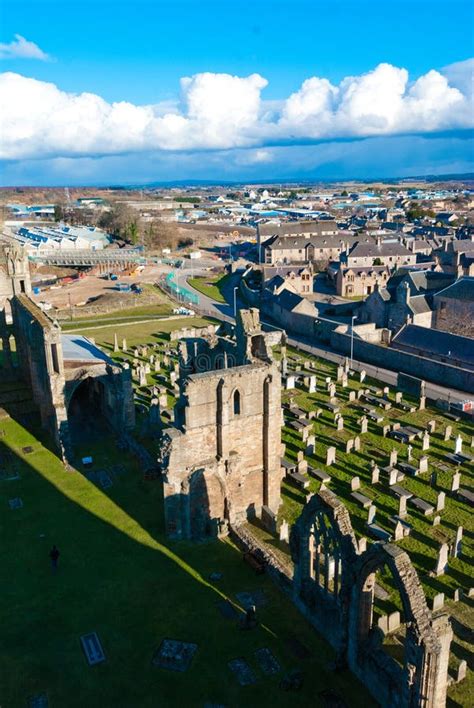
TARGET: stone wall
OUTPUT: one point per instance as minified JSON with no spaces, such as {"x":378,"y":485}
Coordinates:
{"x":385,"y":357}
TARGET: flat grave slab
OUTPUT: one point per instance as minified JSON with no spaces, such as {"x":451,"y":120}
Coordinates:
{"x":319,"y":474}
{"x":379,"y":533}
{"x":364,"y":501}
{"x":288,"y":464}
{"x":8,"y":474}
{"x":380,"y":592}
{"x":16,"y":503}
{"x":422,"y":505}
{"x":92,"y":648}
{"x":248,"y":599}
{"x":400,"y":491}
{"x":466,"y":496}
{"x":228,"y":610}
{"x":242,"y":671}
{"x":267,"y":662}
{"x":174,"y":655}
{"x":408,"y":469}
{"x":298,"y":480}
{"x":38,"y":700}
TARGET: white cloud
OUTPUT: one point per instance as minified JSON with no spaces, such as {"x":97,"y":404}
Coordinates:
{"x":21,"y":48}
{"x":222,"y":112}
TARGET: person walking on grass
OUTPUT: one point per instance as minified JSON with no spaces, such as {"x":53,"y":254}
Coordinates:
{"x":54,"y":555}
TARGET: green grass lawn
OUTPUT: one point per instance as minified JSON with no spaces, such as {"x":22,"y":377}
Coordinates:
{"x":210,"y":286}
{"x":120,"y":577}
{"x":137,"y":332}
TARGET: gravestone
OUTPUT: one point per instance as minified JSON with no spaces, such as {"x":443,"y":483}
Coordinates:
{"x":425,"y":442}
{"x":461,"y":671}
{"x":312,"y":384}
{"x":447,"y":433}
{"x":284,"y":531}
{"x":332,"y":390}
{"x":116,"y":345}
{"x":290,"y":382}
{"x":422,"y":404}
{"x":371,"y":514}
{"x":398,"y":533}
{"x":457,"y":546}
{"x":357,"y":443}
{"x":436,"y":520}
{"x":362,"y":375}
{"x":142,"y":376}
{"x":16,"y":503}
{"x":340,"y":423}
{"x":355,"y":484}
{"x":456,"y":481}
{"x":438,"y":601}
{"x":267,"y":662}
{"x":349,"y":445}
{"x":363,"y":425}
{"x":92,"y":648}
{"x":431,"y":426}
{"x":242,"y":671}
{"x":330,"y":456}
{"x":340,"y":373}
{"x":409,"y":453}
{"x":393,"y":621}
{"x":423,"y":464}
{"x":458,"y":445}
{"x":375,"y":475}
{"x":310,"y":445}
{"x":174,"y":655}
{"x":398,"y":397}
{"x":440,"y":501}
{"x":392,"y":476}
{"x":457,"y":595}
{"x":442,"y":560}
{"x":344,"y":381}
{"x":402,"y":506}
{"x":352,"y":396}
{"x":393,"y":458}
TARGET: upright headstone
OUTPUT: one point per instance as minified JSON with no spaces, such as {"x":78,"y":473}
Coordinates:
{"x":442,"y":559}
{"x":362,"y":375}
{"x":362,"y":544}
{"x":409,"y":452}
{"x":116,"y":346}
{"x":284,"y":531}
{"x":363,"y":425}
{"x":398,"y":534}
{"x":431,"y":426}
{"x":355,"y":484}
{"x":425,"y":443}
{"x":423,"y":464}
{"x":457,"y":546}
{"x":124,"y":345}
{"x":461,"y":671}
{"x":371,"y":514}
{"x":375,"y":475}
{"x":330,"y":456}
{"x":340,"y":423}
{"x":438,"y":601}
{"x":458,"y":445}
{"x":402,"y":507}
{"x":447,"y":433}
{"x":393,"y":458}
{"x":440,"y":501}
{"x":422,"y":404}
{"x":456,"y":481}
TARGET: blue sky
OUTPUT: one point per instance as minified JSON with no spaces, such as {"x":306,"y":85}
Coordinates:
{"x":139,"y":52}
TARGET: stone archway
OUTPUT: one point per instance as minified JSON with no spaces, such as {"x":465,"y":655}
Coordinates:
{"x":422,"y":679}
{"x":85,"y":406}
{"x":324,"y":549}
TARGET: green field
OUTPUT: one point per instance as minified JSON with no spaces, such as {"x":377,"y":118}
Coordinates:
{"x":120,"y":577}
{"x":210,"y":286}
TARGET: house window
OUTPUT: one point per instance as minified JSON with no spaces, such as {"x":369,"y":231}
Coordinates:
{"x":236,"y":402}
{"x":22,"y":286}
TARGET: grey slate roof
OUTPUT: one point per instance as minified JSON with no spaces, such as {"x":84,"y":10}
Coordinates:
{"x":436,"y":342}
{"x":297,"y":227}
{"x":462,"y":289}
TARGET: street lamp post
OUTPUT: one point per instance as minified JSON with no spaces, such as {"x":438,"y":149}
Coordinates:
{"x":354,"y":317}
{"x":235,"y":301}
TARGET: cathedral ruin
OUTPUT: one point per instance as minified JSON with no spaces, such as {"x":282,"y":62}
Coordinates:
{"x":221,"y":460}
{"x":65,"y":372}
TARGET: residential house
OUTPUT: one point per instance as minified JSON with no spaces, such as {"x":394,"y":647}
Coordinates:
{"x":454,"y":308}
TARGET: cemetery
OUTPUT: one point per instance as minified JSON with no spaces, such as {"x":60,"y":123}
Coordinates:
{"x":169,"y":614}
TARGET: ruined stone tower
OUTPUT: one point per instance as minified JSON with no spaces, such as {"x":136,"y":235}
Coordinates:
{"x":221,"y":462}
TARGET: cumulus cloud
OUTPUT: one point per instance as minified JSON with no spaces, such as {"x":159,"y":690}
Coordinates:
{"x":222,"y":112}
{"x":21,"y":48}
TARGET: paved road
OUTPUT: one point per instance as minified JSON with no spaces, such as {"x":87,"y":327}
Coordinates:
{"x":226,"y":312}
